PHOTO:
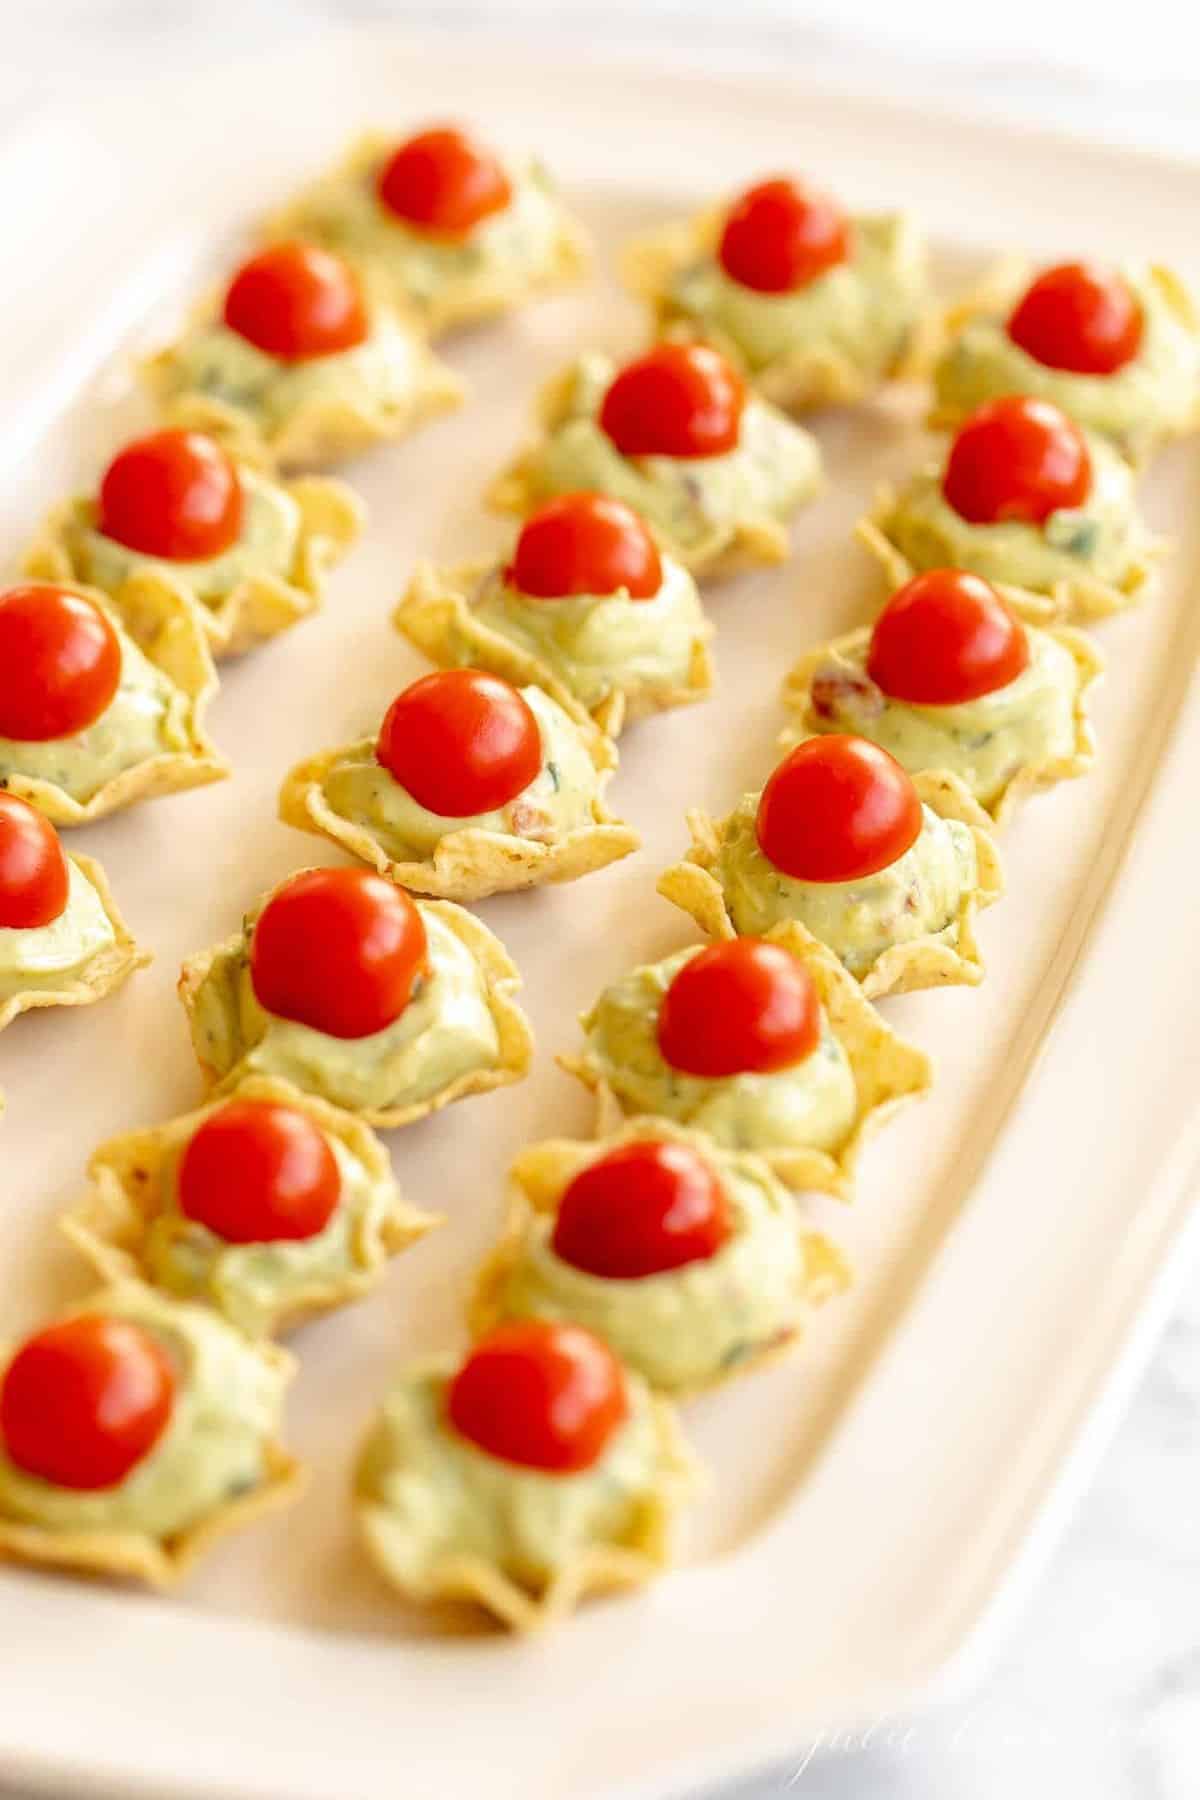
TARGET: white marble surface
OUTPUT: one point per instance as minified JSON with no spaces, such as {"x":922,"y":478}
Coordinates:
{"x":1096,"y":1695}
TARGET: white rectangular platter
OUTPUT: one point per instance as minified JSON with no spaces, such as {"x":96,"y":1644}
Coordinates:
{"x":1015,"y":1238}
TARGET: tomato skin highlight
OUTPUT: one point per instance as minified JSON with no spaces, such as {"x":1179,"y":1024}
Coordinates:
{"x":781,"y":235}
{"x":296,"y":301}
{"x":1079,"y":317}
{"x":1019,"y":459}
{"x":680,"y":400}
{"x":541,"y":1395}
{"x":643,"y":1209}
{"x":443,"y":182}
{"x":256,"y":1172}
{"x":60,"y":662}
{"x":461,"y":742}
{"x":837,"y":808}
{"x":740,"y":1007}
{"x":84,"y":1401}
{"x":945,"y":638}
{"x":585,"y":544}
{"x":174,"y":494}
{"x":34,"y":876}
{"x":339,"y":950}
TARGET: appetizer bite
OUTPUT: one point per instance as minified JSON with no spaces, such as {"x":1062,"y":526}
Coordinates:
{"x":690,"y":1260}
{"x":766,"y":1044}
{"x":271,"y":1207}
{"x":62,"y":940}
{"x":948,"y":678}
{"x":1028,"y":499}
{"x":585,"y":608}
{"x":134,"y":1431}
{"x":294,"y":363}
{"x":471,"y":787}
{"x":450,"y":230}
{"x":532,"y":1473}
{"x":175,"y":511}
{"x":342,"y":985}
{"x":102,"y":706}
{"x":1117,"y":350}
{"x":814,"y":307}
{"x":886,"y":869}
{"x":713,"y":470}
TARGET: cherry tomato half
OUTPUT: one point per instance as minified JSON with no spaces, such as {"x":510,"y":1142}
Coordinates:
{"x":681,"y":400}
{"x":60,"y":662}
{"x":1017,"y":458}
{"x":461,"y":742}
{"x":443,"y":182}
{"x":738,"y":1008}
{"x":837,"y":808}
{"x":586,"y":544}
{"x":545,"y":1396}
{"x":83,"y":1402}
{"x":174,"y":494}
{"x":34,"y":877}
{"x":644,"y":1208}
{"x":256,"y":1172}
{"x":296,"y":301}
{"x":782,"y":234}
{"x":944,"y":638}
{"x":1079,"y":317}
{"x":340,"y":950}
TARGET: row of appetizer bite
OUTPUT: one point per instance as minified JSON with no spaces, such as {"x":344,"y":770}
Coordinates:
{"x":144,"y":1422}
{"x":667,"y":1255}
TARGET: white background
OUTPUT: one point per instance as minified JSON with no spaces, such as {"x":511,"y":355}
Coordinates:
{"x":1098,"y":1692}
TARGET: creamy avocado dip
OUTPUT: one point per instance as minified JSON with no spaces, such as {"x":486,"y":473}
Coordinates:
{"x":42,"y":956}
{"x":598,"y":644}
{"x":810,"y":1105}
{"x":445,"y":1031}
{"x":1027,"y":723}
{"x":426,"y":1494}
{"x":147,"y":717}
{"x":373,"y":378}
{"x":227,"y":1409}
{"x":685,"y":1327}
{"x":266,"y":545}
{"x":345,"y":213}
{"x":1102,"y":538}
{"x":774,"y":466}
{"x":917,"y":895}
{"x":251,"y":1284}
{"x":558,"y":800}
{"x":1153,"y":395}
{"x":862,"y":310}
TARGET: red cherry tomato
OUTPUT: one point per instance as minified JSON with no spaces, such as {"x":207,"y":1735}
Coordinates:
{"x":340,"y":950}
{"x":644,"y":1208}
{"x":256,"y":1172}
{"x":297,"y":301}
{"x":60,"y":662}
{"x":837,"y":808}
{"x":781,"y":235}
{"x":461,"y":742}
{"x":944,"y":638}
{"x":173,"y":494}
{"x":84,"y":1401}
{"x":586,"y":544}
{"x":738,"y":1008}
{"x":34,"y":877}
{"x":1079,"y":317}
{"x":443,"y":182}
{"x":544,"y":1396}
{"x":680,"y":400}
{"x":1017,"y":458}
